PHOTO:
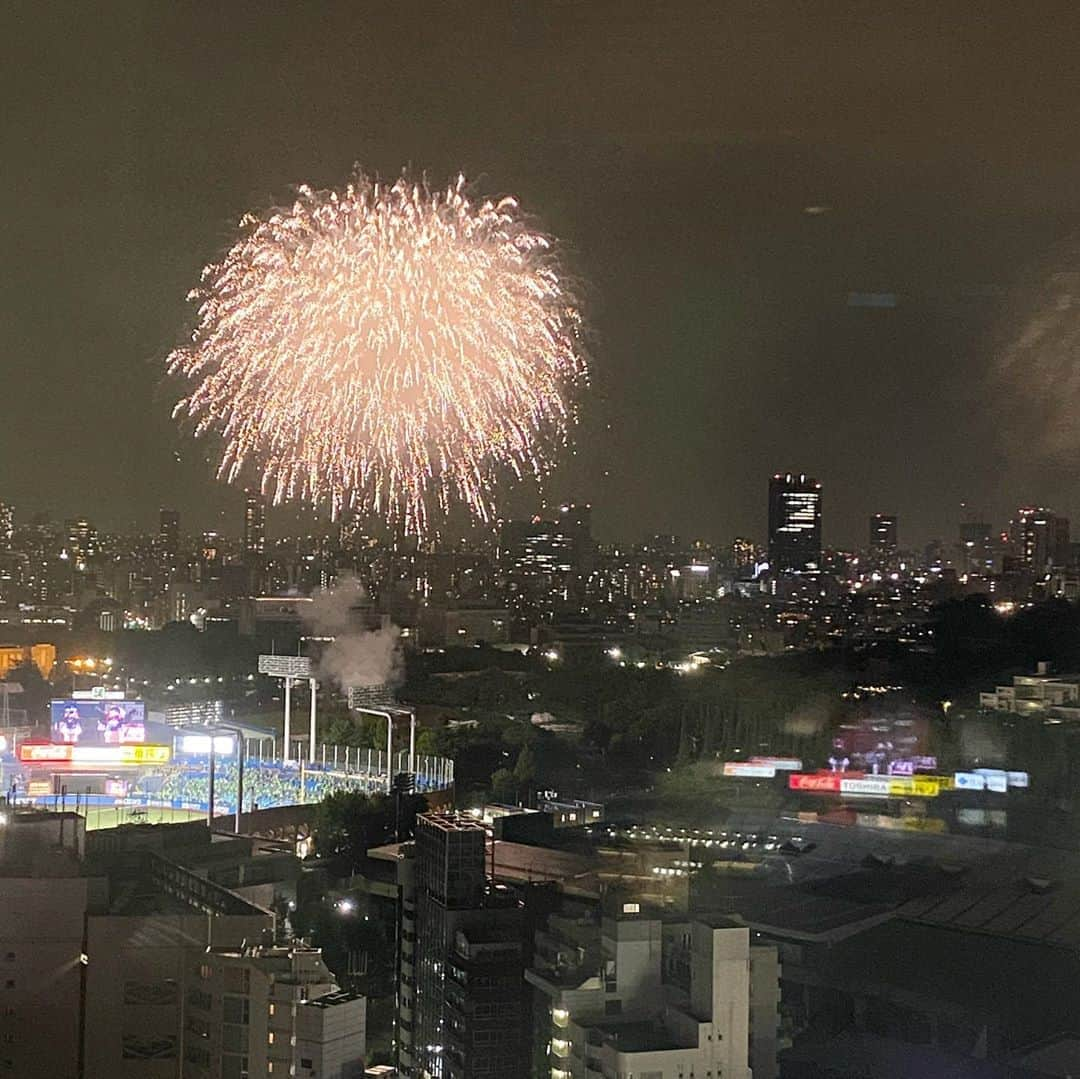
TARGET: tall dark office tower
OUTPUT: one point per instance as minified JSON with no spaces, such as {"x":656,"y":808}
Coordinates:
{"x":462,"y":997}
{"x":254,"y":525}
{"x":1041,"y":538}
{"x":169,"y":533}
{"x":794,"y":523}
{"x":883,"y":533}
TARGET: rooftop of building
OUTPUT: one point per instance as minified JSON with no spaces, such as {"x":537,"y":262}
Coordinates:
{"x":640,"y":1036}
{"x":948,"y":972}
{"x":334,"y":1000}
{"x":452,"y":822}
{"x":855,"y":1055}
{"x":517,"y":862}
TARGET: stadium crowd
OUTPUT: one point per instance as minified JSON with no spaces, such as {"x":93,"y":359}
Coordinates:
{"x":265,"y":784}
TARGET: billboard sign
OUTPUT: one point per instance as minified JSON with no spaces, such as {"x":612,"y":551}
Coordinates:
{"x":749,"y":770}
{"x":867,"y":787}
{"x":822,"y":783}
{"x":781,"y":764}
{"x":881,"y":746}
{"x":909,"y":766}
{"x":98,"y":723}
{"x":85,"y":756}
{"x":969,"y":781}
{"x":1017,"y":779}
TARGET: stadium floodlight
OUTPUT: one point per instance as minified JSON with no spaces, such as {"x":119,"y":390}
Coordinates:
{"x":375,"y":695}
{"x":287,"y":668}
{"x":389,"y":714}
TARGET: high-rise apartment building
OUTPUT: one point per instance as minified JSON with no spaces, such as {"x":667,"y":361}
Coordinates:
{"x":794,"y":523}
{"x":169,"y":534}
{"x":545,"y":561}
{"x":883,"y":534}
{"x":82,"y":541}
{"x":461,"y":1009}
{"x":1040,"y":538}
{"x":254,"y":525}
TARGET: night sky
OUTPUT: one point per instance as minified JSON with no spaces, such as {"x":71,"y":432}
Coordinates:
{"x":673,"y":147}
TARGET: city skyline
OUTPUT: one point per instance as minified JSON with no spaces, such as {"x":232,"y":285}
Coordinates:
{"x":766,"y":285}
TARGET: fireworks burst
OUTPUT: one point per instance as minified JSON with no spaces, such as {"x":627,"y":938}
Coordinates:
{"x":385,"y":348}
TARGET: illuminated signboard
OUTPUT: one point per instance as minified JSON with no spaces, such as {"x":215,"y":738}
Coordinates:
{"x":98,"y":723}
{"x":781,"y":764}
{"x":749,"y":770}
{"x":996,"y":779}
{"x":917,"y":786}
{"x":909,"y":766}
{"x":969,"y":781}
{"x":822,"y":783}
{"x":999,"y":780}
{"x":51,"y":753}
{"x":868,"y":786}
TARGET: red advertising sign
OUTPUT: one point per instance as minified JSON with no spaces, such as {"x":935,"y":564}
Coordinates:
{"x":823,"y":782}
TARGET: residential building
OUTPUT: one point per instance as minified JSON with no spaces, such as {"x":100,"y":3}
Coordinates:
{"x":1040,"y":538}
{"x":1037,"y":694}
{"x":643,"y":997}
{"x":269,"y":1011}
{"x":461,"y":1005}
{"x":254,"y":543}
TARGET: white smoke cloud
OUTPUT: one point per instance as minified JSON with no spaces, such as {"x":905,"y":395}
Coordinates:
{"x":357,"y":656}
{"x":809,"y":719}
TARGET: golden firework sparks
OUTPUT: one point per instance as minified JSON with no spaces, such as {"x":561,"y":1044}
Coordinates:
{"x":385,"y":348}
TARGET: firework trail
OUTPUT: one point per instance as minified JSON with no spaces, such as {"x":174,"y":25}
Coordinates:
{"x":385,"y":348}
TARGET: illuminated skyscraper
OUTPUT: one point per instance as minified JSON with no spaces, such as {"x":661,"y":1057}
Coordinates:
{"x":545,"y":560}
{"x":883,"y":533}
{"x":254,"y":526}
{"x":1041,"y":538}
{"x":169,"y":533}
{"x":794,"y":523}
{"x":82,"y":541}
{"x":742,"y":553}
